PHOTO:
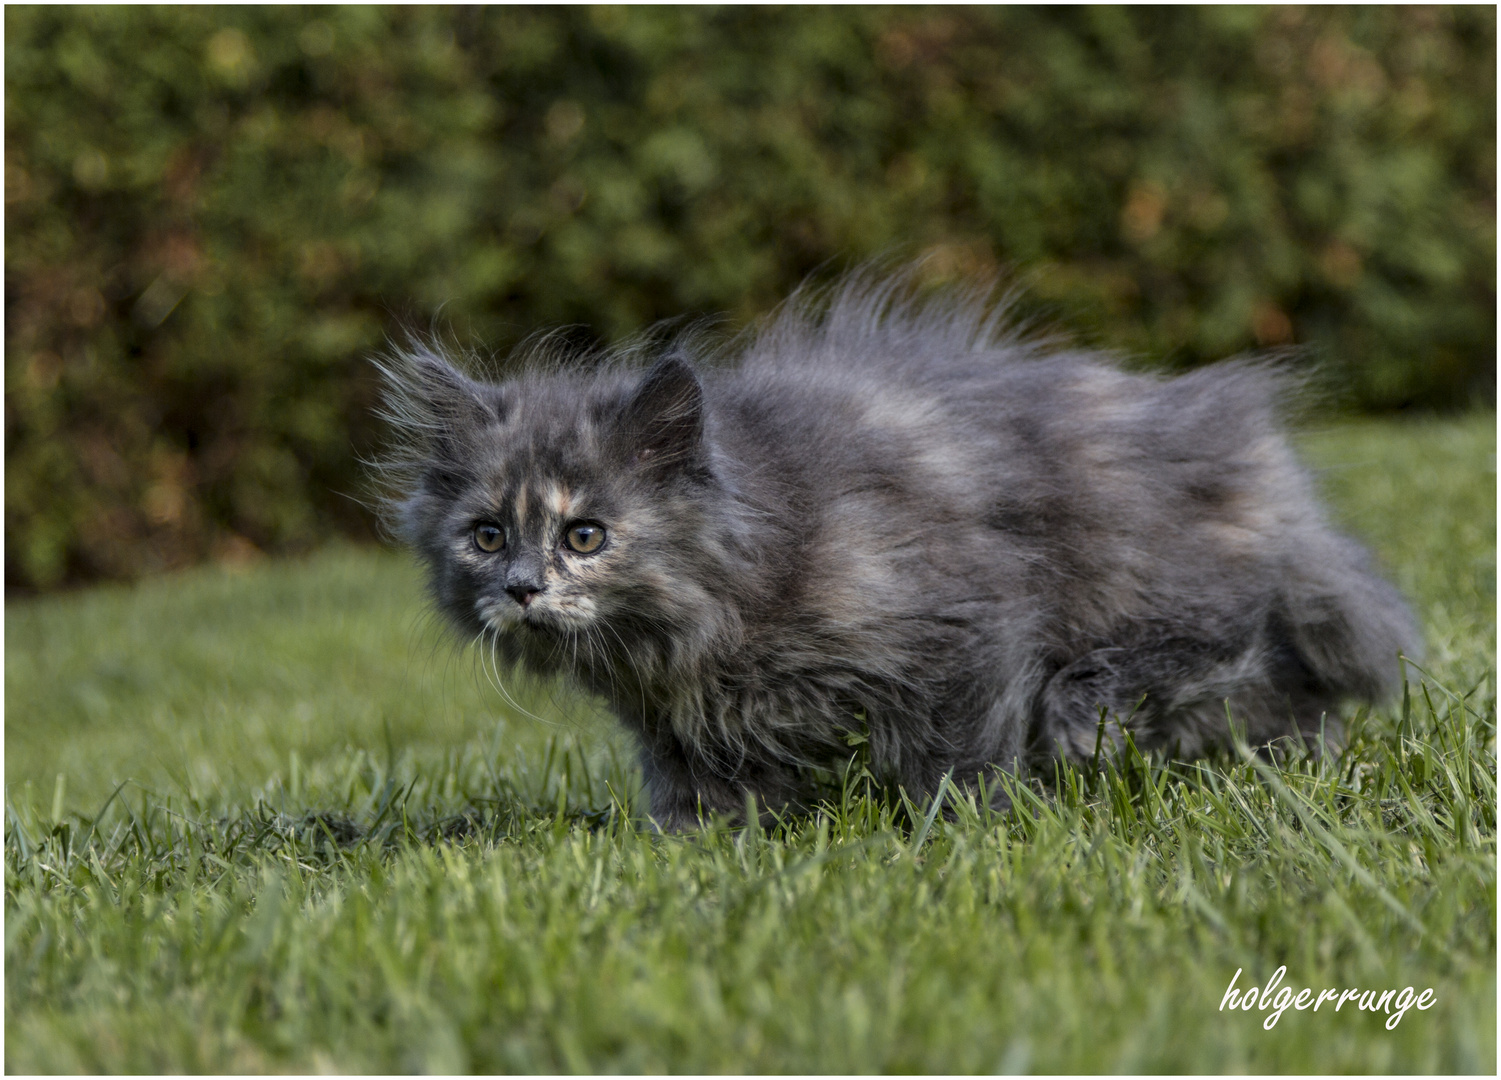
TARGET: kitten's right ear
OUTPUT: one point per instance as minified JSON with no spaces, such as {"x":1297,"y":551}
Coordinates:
{"x":431,"y":400}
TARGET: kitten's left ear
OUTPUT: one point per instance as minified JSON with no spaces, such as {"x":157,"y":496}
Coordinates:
{"x":663,"y":421}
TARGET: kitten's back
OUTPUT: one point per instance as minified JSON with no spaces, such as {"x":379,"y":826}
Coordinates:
{"x":934,"y":450}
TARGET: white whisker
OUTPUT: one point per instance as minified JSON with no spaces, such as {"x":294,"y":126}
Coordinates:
{"x":496,"y":680}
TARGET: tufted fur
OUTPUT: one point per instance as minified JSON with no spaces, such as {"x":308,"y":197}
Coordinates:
{"x":893,"y":515}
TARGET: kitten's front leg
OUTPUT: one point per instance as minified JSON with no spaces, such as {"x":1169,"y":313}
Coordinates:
{"x":669,"y":783}
{"x":687,"y":790}
{"x":983,"y":758}
{"x":682,"y":796}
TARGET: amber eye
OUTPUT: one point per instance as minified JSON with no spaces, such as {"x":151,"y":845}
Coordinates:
{"x":584,"y":537}
{"x":489,"y":538}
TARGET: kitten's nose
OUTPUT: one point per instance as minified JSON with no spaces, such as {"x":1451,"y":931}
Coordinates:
{"x":525,"y":578}
{"x":523,"y":593}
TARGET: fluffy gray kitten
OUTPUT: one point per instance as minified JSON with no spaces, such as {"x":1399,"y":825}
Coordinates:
{"x":890,"y":517}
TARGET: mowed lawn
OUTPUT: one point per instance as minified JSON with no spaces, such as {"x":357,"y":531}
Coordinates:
{"x":274,"y":820}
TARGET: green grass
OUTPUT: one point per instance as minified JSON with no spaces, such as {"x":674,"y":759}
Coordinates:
{"x":273,"y":822}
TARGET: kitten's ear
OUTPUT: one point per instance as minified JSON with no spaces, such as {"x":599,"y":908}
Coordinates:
{"x":430,"y":399}
{"x":663,"y":421}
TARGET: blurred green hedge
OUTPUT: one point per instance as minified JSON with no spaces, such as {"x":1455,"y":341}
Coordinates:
{"x":214,"y":213}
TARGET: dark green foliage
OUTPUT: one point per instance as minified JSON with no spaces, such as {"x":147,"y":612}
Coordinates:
{"x":214,"y":213}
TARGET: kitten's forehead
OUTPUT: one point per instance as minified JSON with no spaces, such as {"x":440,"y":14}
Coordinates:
{"x":531,"y":493}
{"x":542,"y":496}
{"x":550,"y":455}
{"x":554,"y":425}
{"x":552,"y":473}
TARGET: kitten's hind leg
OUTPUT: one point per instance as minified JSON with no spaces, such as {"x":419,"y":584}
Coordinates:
{"x":1173,"y":695}
{"x":1168,"y":695}
{"x":1082,"y":709}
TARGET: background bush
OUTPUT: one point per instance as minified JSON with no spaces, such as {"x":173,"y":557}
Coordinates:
{"x":214,"y":213}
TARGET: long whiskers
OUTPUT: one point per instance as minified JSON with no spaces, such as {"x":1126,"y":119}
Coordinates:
{"x":630,"y":658}
{"x":492,"y":674}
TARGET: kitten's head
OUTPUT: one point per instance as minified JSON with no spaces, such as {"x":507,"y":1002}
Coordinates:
{"x":568,"y":514}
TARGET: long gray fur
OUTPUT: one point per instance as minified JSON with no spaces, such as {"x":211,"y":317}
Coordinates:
{"x":897,"y":516}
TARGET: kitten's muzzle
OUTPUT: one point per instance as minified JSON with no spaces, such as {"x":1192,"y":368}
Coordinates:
{"x":524,"y":581}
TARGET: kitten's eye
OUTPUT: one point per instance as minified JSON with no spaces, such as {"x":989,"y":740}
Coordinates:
{"x":584,"y":538}
{"x":489,"y":538}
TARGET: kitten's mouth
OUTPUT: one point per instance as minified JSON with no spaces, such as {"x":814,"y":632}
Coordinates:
{"x":542,"y":622}
{"x":522,"y":624}
{"x":536,"y":619}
